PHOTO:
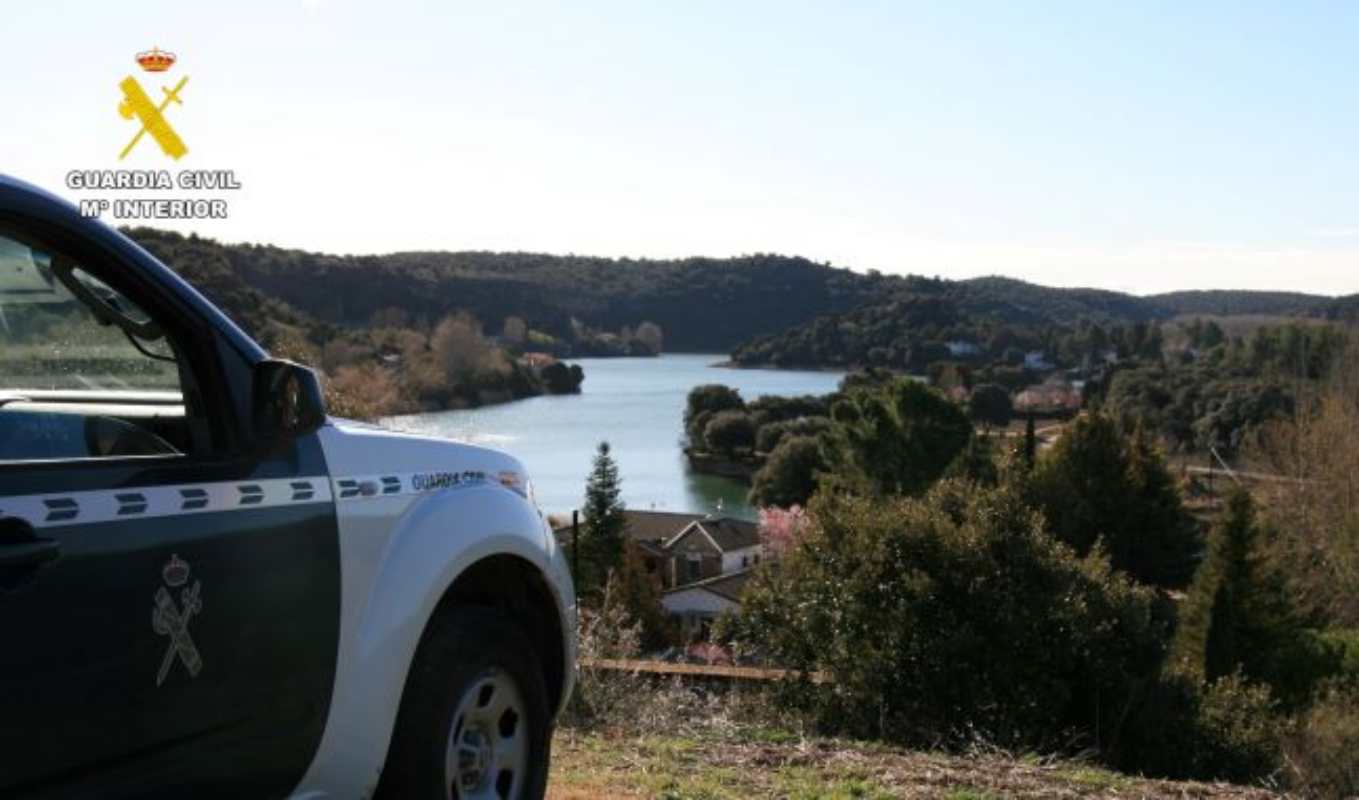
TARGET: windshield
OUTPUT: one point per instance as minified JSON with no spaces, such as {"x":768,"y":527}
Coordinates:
{"x":50,"y":340}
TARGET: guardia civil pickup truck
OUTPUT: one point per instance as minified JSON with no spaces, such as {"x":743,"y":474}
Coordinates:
{"x":209,"y":588}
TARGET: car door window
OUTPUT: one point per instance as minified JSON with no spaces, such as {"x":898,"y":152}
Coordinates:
{"x":84,"y":371}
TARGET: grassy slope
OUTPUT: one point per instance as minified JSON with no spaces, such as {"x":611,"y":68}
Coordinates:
{"x":739,"y":762}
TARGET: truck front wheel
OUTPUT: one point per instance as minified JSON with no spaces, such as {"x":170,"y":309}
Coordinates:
{"x":473,"y":721}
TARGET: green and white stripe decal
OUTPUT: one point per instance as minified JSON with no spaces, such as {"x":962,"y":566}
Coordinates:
{"x":149,"y":502}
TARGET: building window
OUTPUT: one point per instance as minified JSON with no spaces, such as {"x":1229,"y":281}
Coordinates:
{"x":695,"y":563}
{"x":745,"y":561}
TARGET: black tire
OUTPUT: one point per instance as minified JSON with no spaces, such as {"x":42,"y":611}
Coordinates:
{"x":461,"y":646}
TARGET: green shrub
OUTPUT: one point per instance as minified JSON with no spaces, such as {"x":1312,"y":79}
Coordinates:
{"x":768,"y":409}
{"x":895,"y":438}
{"x":769,"y":436}
{"x":1228,"y":730}
{"x":1323,"y":752}
{"x":788,"y":477}
{"x":708,"y":399}
{"x":1241,"y":731}
{"x":729,"y":431}
{"x":562,"y":378}
{"x":953,"y":614}
{"x":1305,"y":661}
{"x":979,"y":462}
{"x":990,"y":404}
{"x":1345,"y":645}
{"x":1096,"y":485}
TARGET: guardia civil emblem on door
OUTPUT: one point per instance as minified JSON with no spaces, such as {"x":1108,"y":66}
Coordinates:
{"x":171,"y":619}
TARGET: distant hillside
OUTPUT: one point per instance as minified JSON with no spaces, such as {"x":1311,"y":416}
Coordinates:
{"x":1343,"y":308}
{"x":371,"y":370}
{"x":1016,"y":301}
{"x":205,"y":264}
{"x":759,"y":304}
{"x":911,"y":329}
{"x":1223,"y":302}
{"x":700,"y":303}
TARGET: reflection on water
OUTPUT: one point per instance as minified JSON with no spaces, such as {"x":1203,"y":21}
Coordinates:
{"x":634,"y":403}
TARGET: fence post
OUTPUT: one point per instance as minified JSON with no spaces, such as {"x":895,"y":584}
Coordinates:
{"x":575,"y":553}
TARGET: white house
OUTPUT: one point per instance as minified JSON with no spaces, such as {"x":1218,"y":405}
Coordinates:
{"x":960,"y":348}
{"x":1035,"y":360}
{"x":698,"y":604}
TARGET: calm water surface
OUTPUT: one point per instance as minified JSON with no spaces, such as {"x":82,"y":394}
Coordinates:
{"x":636,"y":404}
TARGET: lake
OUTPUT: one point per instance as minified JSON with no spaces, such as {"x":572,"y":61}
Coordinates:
{"x":637,"y":405}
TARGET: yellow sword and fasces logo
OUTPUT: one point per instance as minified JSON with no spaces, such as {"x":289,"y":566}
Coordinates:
{"x":137,"y":104}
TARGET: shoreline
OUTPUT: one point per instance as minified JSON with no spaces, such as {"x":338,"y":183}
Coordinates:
{"x":729,"y":364}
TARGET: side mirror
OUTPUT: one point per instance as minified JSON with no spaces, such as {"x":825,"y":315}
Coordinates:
{"x":287,"y":401}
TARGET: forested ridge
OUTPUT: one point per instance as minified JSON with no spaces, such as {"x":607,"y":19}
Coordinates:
{"x":702,"y":304}
{"x":751,"y":304}
{"x":909,"y":327}
{"x":1225,"y":302}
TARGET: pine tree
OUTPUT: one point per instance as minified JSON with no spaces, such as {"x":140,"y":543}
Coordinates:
{"x":1164,"y":542}
{"x":896,"y":438}
{"x":601,"y":541}
{"x":1236,"y":616}
{"x":977,"y":462}
{"x":1096,"y":485}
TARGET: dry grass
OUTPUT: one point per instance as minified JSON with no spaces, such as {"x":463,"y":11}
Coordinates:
{"x":644,"y":736}
{"x":736,"y":762}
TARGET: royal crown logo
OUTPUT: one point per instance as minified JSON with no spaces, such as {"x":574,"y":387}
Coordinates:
{"x":176,"y":572}
{"x":156,"y":60}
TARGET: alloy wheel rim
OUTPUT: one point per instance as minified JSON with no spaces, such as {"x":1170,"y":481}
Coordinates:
{"x":486,"y":753}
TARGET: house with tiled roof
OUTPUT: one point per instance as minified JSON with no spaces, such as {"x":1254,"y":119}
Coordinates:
{"x":1052,"y":396}
{"x":684,"y":548}
{"x":698,"y":604}
{"x":708,"y":547}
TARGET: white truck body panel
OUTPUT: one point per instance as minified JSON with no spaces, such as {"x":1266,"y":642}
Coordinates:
{"x":399,"y":551}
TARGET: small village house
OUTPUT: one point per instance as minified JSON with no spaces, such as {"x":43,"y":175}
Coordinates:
{"x":1051,"y":397}
{"x":697,"y":605}
{"x":700,"y":562}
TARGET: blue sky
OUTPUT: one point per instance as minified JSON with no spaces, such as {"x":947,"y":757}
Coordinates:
{"x":1142,"y":147}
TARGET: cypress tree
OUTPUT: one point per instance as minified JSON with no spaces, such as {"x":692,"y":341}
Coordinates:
{"x":1030,"y":443}
{"x":1236,"y":616}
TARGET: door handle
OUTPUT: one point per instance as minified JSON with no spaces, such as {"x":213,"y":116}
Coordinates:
{"x":20,"y":548}
{"x":29,"y":554}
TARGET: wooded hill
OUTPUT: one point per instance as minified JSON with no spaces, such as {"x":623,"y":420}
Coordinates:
{"x":1230,"y":303}
{"x":702,"y":304}
{"x":909,"y":328}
